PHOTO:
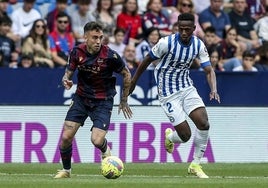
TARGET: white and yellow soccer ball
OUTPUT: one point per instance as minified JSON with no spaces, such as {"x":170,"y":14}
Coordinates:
{"x":112,"y":167}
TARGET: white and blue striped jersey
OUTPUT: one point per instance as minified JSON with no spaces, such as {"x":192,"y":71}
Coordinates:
{"x":172,"y":71}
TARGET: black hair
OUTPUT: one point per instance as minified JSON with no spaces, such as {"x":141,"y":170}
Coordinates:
{"x":110,"y":9}
{"x":225,"y":32}
{"x":186,"y":17}
{"x":210,"y":29}
{"x":5,"y":20}
{"x":118,"y":30}
{"x":248,"y":53}
{"x":150,"y":30}
{"x":83,"y":2}
{"x":90,"y":26}
{"x":62,"y":14}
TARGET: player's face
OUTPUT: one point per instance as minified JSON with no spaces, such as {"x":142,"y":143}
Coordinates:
{"x":94,"y":40}
{"x":186,"y":29}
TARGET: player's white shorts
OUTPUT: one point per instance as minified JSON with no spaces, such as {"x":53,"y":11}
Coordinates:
{"x":179,"y":105}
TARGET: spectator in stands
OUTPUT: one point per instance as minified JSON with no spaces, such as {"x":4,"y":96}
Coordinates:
{"x":3,"y":12}
{"x":142,"y":6}
{"x":151,"y":37}
{"x":262,"y":63}
{"x":61,"y":6}
{"x":26,"y":60}
{"x":37,"y":43}
{"x":187,"y":6}
{"x":261,"y":26}
{"x":130,"y":20}
{"x":118,"y":44}
{"x":129,"y":57}
{"x":3,"y":7}
{"x":256,"y":8}
{"x":214,"y":16}
{"x":154,"y":17}
{"x":170,"y":4}
{"x":23,"y":19}
{"x":230,"y":50}
{"x":241,"y":20}
{"x":7,"y":46}
{"x":200,"y":7}
{"x":79,"y":18}
{"x":210,"y":37}
{"x":104,"y":15}
{"x":61,"y":40}
{"x":248,"y":61}
{"x":215,"y":59}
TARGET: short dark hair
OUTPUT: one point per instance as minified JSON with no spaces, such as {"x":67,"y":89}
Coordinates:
{"x":62,"y":14}
{"x":5,"y":20}
{"x":83,"y":2}
{"x":186,"y":17}
{"x":248,"y":53}
{"x":210,"y":29}
{"x":90,"y":26}
{"x":118,"y":30}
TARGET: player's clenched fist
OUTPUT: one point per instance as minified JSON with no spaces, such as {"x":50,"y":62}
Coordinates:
{"x":67,"y":83}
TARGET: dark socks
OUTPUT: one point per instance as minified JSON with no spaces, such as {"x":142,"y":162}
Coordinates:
{"x":66,"y":155}
{"x":103,"y":147}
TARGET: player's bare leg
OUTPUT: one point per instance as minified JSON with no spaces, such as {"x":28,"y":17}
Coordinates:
{"x":200,"y":118}
{"x":99,"y":141}
{"x":70,"y":128}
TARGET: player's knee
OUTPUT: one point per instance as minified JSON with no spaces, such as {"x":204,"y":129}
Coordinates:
{"x":97,"y":142}
{"x":203,"y":125}
{"x":66,"y":140}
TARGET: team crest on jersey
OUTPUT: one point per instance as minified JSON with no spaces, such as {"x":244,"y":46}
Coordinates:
{"x":171,"y":119}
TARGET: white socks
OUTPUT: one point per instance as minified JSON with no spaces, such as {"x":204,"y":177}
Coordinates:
{"x":174,"y":137}
{"x":200,"y":143}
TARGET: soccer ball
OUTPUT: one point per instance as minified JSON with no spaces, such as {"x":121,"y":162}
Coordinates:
{"x":112,"y":167}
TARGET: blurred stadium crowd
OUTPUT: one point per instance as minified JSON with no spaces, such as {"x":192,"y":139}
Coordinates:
{"x":41,"y":33}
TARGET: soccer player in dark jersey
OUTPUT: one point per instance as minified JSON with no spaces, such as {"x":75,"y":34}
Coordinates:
{"x":95,"y":92}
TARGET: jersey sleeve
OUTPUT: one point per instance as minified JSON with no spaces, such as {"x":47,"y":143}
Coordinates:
{"x":160,"y":49}
{"x":203,"y":55}
{"x":118,"y":63}
{"x":72,"y":60}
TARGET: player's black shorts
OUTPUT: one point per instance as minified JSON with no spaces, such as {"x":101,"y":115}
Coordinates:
{"x":99,"y":111}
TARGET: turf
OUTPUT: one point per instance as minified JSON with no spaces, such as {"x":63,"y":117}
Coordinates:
{"x":153,"y":175}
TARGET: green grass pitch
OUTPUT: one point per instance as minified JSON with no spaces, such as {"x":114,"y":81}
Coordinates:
{"x":146,"y":175}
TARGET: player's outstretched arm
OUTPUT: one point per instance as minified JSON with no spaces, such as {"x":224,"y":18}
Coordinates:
{"x":211,"y":78}
{"x":126,"y":86}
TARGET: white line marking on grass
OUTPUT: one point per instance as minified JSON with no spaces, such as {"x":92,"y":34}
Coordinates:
{"x":139,"y":176}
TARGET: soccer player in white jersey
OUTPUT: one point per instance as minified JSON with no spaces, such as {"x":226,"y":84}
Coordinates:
{"x":177,"y":95}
